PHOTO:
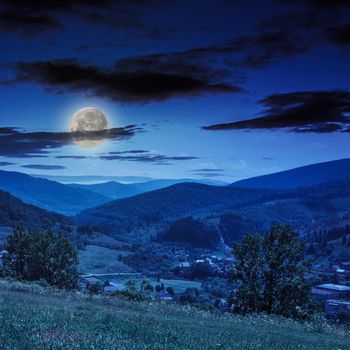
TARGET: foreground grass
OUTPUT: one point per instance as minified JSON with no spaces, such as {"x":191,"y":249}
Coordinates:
{"x":32,"y":317}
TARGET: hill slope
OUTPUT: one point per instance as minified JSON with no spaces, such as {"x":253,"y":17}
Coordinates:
{"x":233,"y":211}
{"x":117,"y":190}
{"x":152,"y":210}
{"x":304,"y":176}
{"x":111,"y":189}
{"x":13,"y":212}
{"x":49,"y":195}
{"x":38,"y":318}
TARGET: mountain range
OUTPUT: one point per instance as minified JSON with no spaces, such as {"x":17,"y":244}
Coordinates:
{"x":310,"y":198}
{"x":233,"y":210}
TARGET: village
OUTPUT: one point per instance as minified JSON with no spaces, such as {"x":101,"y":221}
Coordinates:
{"x":334,"y":294}
{"x":190,"y":280}
{"x":197,"y":277}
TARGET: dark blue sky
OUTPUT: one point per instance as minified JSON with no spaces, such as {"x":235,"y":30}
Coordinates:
{"x":213,"y":89}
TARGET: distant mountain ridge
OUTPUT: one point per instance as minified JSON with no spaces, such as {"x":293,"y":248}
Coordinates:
{"x":111,"y":189}
{"x":49,"y":195}
{"x":142,"y":215}
{"x":234,"y":211}
{"x":117,"y":190}
{"x":308,"y":175}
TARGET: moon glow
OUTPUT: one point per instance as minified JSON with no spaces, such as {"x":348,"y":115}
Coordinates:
{"x":85,"y":120}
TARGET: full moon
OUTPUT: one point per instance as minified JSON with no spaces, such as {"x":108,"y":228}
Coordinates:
{"x":88,"y":119}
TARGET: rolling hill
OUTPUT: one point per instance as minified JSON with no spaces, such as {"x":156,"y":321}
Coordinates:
{"x":233,"y":211}
{"x":303,"y":176}
{"x":13,"y":212}
{"x":117,"y":190}
{"x":142,"y":216}
{"x":49,"y":195}
{"x":111,"y":189}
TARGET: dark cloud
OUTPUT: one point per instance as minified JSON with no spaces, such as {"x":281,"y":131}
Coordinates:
{"x":147,"y":158}
{"x":309,"y":111}
{"x":30,"y":23}
{"x":318,"y":21}
{"x":339,"y":35}
{"x":31,"y":17}
{"x":126,"y":83}
{"x":158,"y":33}
{"x":43,"y":167}
{"x":6,"y":163}
{"x":9,"y":130}
{"x":134,"y":151}
{"x":206,"y":70}
{"x":210,"y":174}
{"x":38,"y":144}
{"x":254,"y":52}
{"x":324,"y":5}
{"x":207,"y":170}
{"x":72,"y":157}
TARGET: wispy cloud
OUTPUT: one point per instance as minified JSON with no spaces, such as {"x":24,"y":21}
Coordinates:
{"x":43,"y":167}
{"x":21,"y":144}
{"x":158,"y":159}
{"x":301,"y":112}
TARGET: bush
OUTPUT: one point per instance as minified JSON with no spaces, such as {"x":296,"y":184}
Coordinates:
{"x":132,"y":292}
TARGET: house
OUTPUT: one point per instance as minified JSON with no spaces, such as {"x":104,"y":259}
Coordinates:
{"x":184,"y":264}
{"x":345,"y":265}
{"x":336,"y":290}
{"x":335,"y":308}
{"x":200,"y":261}
{"x":164,"y":295}
{"x":322,"y":294}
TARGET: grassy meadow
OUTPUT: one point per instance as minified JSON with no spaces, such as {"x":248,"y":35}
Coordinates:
{"x":34,"y":317}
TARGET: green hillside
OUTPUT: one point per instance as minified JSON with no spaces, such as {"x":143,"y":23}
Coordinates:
{"x":233,"y":211}
{"x":144,"y":215}
{"x":13,"y":212}
{"x":33,"y":317}
{"x":49,"y":195}
{"x":308,"y":175}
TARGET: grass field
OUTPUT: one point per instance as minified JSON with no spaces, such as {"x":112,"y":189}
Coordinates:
{"x":179,"y":286}
{"x":33,"y":317}
{"x":96,"y":259}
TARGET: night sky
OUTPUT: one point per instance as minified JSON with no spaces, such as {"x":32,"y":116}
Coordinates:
{"x":215,"y":89}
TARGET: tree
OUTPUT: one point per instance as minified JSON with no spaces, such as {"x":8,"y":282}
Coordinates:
{"x":192,"y":231}
{"x":271,"y":271}
{"x":34,"y":255}
{"x":248,"y":272}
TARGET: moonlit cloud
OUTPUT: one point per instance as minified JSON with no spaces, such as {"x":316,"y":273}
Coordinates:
{"x":21,"y":144}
